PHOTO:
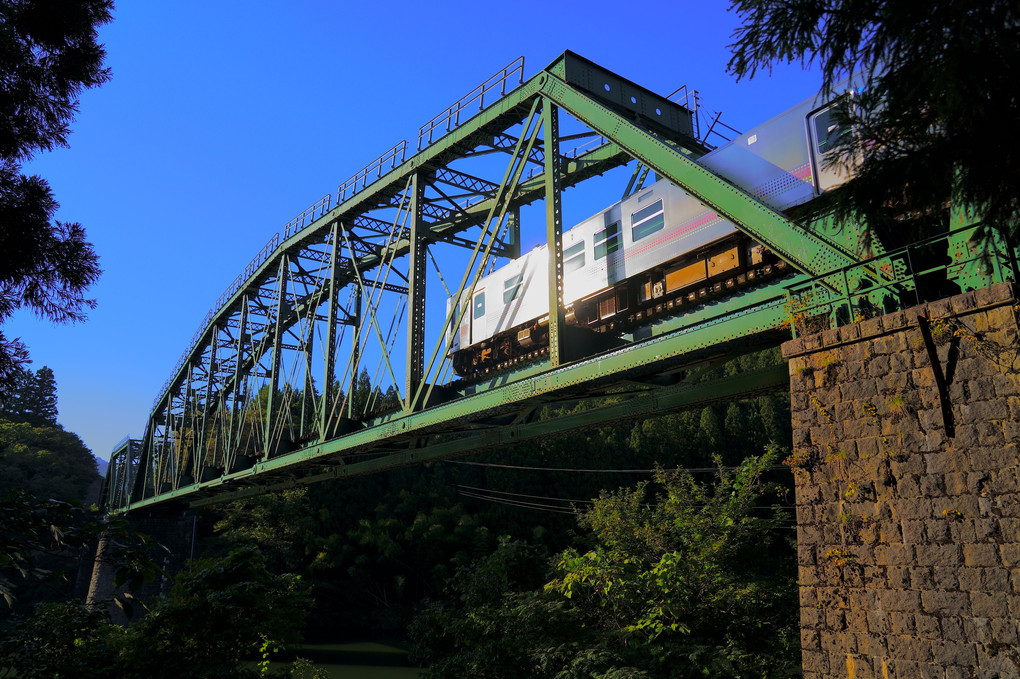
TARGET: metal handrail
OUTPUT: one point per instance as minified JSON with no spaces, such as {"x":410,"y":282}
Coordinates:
{"x":820,"y":296}
{"x":449,"y":119}
{"x":374,"y":170}
{"x":691,"y":100}
{"x":309,"y":215}
{"x":375,"y":167}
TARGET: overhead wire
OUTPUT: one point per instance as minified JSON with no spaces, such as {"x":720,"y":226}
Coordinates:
{"x":522,"y":505}
{"x":601,"y":471}
{"x":480,"y":494}
{"x":532,"y":497}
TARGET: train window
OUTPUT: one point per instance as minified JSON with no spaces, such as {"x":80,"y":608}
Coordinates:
{"x":607,"y":241}
{"x":573,"y":257}
{"x":647,"y":220}
{"x":828,"y":130}
{"x":512,"y":288}
{"x":479,"y":305}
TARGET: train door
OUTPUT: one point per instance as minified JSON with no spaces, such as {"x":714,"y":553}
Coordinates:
{"x":479,"y":329}
{"x":824,"y":130}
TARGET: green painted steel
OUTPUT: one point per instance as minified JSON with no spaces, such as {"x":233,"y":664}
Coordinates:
{"x":554,"y":231}
{"x":229,"y":422}
{"x":726,"y":330}
{"x":621,"y":407}
{"x":413,"y":373}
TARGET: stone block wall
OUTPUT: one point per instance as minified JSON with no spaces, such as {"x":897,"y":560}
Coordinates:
{"x":908,"y":497}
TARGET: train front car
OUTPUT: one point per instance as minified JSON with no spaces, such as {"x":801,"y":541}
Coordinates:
{"x":505,"y":320}
{"x":654,"y":252}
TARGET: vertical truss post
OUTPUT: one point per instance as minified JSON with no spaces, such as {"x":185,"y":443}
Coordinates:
{"x":308,"y":392}
{"x":234,"y":425}
{"x":159,"y":472}
{"x":274,"y":373}
{"x":329,"y":348}
{"x":554,"y":228}
{"x":496,"y":215}
{"x":491,"y":227}
{"x":137,"y":491}
{"x":416,"y":296}
{"x":206,"y":405}
{"x":513,"y":234}
{"x":189,"y":421}
{"x":355,"y":352}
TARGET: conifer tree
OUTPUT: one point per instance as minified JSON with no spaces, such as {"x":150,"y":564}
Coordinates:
{"x":49,"y":53}
{"x":32,"y":398}
{"x":933,"y":126}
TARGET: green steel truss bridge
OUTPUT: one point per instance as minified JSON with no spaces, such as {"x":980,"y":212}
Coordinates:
{"x":272,"y":392}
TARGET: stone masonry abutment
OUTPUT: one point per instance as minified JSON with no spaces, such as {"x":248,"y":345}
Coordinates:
{"x":906,"y":432}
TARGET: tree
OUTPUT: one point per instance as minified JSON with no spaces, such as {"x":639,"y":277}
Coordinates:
{"x":48,"y":54}
{"x":216,"y":613}
{"x":682,"y":579}
{"x":41,"y":539}
{"x":47,"y":462}
{"x":932,"y":126}
{"x":31,"y":399}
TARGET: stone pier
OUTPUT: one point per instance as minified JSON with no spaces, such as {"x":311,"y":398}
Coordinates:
{"x":174,"y":533}
{"x":906,"y":431}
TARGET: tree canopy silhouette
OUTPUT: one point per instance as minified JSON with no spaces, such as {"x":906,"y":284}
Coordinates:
{"x":32,"y":398}
{"x":933,"y":126}
{"x":49,"y":53}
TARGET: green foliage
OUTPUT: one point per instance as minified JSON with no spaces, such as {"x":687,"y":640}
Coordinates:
{"x":217,"y":612}
{"x":498,"y":623}
{"x":278,"y":523}
{"x":41,"y":542}
{"x":373,"y":549}
{"x":303,"y":668}
{"x":61,"y":640}
{"x":941,"y":86}
{"x":683,"y":579}
{"x":49,"y":54}
{"x":214,"y":615}
{"x":45,"y":461}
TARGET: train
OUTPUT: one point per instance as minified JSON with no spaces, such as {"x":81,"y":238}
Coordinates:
{"x":651,"y":252}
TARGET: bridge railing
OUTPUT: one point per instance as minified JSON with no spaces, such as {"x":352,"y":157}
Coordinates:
{"x":235,"y":285}
{"x":446,"y":121}
{"x":895,"y":280}
{"x":706,"y":121}
{"x":374,"y":170}
{"x":307,"y":216}
{"x":471,"y":103}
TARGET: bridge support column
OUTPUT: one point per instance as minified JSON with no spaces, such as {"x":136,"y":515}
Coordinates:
{"x":906,"y":431}
{"x":174,"y":531}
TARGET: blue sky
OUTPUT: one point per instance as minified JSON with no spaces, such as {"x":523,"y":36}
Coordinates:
{"x":225,"y":119}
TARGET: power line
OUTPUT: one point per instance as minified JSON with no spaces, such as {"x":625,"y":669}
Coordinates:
{"x":522,"y":505}
{"x":480,"y":494}
{"x":533,"y":497}
{"x":601,"y":471}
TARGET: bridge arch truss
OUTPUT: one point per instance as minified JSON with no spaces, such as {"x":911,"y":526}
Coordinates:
{"x":326,"y":357}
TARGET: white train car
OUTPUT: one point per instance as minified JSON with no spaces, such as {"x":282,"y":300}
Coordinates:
{"x":655,"y":245}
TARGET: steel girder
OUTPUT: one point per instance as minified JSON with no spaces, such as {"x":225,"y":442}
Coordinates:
{"x":234,"y":413}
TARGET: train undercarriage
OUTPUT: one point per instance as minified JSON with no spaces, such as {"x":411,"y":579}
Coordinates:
{"x":682,"y":283}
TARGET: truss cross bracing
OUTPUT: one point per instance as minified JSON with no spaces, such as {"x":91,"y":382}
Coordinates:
{"x":329,"y":355}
